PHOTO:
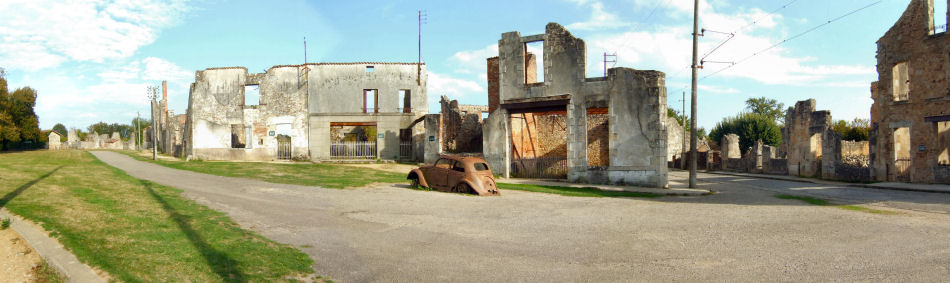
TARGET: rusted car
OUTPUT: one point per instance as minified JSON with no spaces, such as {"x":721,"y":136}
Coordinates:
{"x":459,"y":174}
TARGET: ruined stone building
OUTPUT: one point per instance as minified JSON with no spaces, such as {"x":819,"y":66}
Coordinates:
{"x":549,"y":120}
{"x":53,"y":142}
{"x":910,"y":117}
{"x":316,"y":111}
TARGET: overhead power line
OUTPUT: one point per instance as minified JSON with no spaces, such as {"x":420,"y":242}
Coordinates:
{"x":792,"y":38}
{"x":756,"y":21}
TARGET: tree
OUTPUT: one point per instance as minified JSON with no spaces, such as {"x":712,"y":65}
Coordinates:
{"x":856,"y":130}
{"x":61,"y":130}
{"x":768,"y":107}
{"x":750,"y":127}
{"x":18,"y":122}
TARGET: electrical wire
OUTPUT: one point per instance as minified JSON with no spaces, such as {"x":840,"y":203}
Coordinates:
{"x":792,"y":38}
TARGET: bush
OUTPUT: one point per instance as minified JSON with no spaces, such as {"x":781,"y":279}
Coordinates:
{"x":750,"y":127}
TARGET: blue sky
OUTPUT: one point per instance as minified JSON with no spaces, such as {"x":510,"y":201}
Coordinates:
{"x":92,"y":60}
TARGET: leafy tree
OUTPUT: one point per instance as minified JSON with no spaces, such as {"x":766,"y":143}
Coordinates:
{"x":139,"y":124}
{"x":61,"y":130}
{"x":750,"y":127}
{"x":125,"y":131}
{"x":18,"y":123}
{"x":856,"y":130}
{"x":768,"y":107}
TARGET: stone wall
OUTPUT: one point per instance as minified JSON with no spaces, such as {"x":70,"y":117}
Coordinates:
{"x":802,"y":137}
{"x":911,"y":95}
{"x":674,"y":139}
{"x":854,"y":148}
{"x":730,"y":146}
{"x":461,"y":127}
{"x":635,"y":99}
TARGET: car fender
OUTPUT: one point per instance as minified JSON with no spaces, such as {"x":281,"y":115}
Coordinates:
{"x":418,"y":174}
{"x":479,"y":189}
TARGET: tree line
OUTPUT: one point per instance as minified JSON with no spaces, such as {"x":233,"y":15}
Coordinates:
{"x":19,"y":125}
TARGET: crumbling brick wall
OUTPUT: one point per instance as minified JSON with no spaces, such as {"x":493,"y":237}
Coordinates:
{"x":461,"y":127}
{"x":911,"y":98}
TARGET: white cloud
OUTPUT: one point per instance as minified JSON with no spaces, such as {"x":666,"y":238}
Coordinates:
{"x":599,"y":18}
{"x":669,"y":48}
{"x":473,"y":61}
{"x":717,"y":89}
{"x":455,"y":88}
{"x":160,"y":69}
{"x":38,"y":34}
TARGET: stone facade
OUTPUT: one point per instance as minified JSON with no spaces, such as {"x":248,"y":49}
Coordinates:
{"x":802,"y":137}
{"x":53,"y":143}
{"x":910,"y":117}
{"x":299,"y":106}
{"x":730,"y":146}
{"x":461,"y":126}
{"x":635,"y":103}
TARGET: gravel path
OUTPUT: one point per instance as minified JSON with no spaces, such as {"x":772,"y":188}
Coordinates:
{"x":744,"y":233}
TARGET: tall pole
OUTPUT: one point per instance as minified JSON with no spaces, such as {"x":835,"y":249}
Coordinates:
{"x":152,"y":94}
{"x":692,"y":116}
{"x":138,"y":131}
{"x":304,"y":50}
{"x":419,"y":63}
{"x":685,"y":134}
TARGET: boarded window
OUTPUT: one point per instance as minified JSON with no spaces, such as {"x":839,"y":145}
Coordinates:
{"x":901,"y":84}
{"x":252,"y":95}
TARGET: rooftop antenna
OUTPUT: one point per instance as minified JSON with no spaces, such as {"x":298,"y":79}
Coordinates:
{"x":611,"y":56}
{"x":423,"y":17}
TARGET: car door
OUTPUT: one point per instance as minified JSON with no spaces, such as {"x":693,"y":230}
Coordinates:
{"x":436,"y":175}
{"x":455,"y":175}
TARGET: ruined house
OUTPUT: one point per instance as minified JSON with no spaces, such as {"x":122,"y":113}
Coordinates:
{"x":910,"y":117}
{"x":803,"y":135}
{"x":316,"y":111}
{"x":549,"y":120}
{"x":53,"y":142}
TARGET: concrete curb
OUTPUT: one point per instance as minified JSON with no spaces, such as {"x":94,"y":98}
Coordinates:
{"x":823,"y":182}
{"x":634,"y":189}
{"x":51,"y":250}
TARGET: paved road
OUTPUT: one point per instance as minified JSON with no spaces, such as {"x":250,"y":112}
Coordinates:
{"x":389,"y":233}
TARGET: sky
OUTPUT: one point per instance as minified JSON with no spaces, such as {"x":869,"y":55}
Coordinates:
{"x":91,"y":61}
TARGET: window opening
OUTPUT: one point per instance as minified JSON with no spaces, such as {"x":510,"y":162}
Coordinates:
{"x":939,"y":17}
{"x":901,"y":85}
{"x":252,"y":95}
{"x":404,"y":99}
{"x":943,"y":141}
{"x":237,"y":136}
{"x":534,"y":62}
{"x":370,"y":69}
{"x":370,"y":103}
{"x":484,"y":115}
{"x":598,"y":141}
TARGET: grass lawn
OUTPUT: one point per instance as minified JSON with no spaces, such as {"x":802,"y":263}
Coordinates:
{"x":309,"y":174}
{"x":574,"y":192}
{"x":822,"y":202}
{"x":136,"y":230}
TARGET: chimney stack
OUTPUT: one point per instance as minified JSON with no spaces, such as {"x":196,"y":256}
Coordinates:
{"x":165,"y":95}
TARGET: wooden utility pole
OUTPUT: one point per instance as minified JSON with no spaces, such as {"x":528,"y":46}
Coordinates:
{"x":692,"y":117}
{"x":419,"y":64}
{"x":685,"y":134}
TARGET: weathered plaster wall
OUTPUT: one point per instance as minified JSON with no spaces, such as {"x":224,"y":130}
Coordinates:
{"x":636,"y":102}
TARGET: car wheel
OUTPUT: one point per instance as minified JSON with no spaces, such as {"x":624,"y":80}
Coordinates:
{"x":462,"y":188}
{"x":414,"y":183}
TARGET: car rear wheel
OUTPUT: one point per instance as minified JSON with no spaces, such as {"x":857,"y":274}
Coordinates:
{"x":462,"y":188}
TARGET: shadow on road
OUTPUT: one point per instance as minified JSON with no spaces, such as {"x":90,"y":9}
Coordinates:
{"x":11,"y":195}
{"x":221,"y":263}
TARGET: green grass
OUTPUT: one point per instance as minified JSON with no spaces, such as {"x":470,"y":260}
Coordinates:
{"x":309,"y":174}
{"x":135,"y":230}
{"x":575,"y":192}
{"x":822,"y":202}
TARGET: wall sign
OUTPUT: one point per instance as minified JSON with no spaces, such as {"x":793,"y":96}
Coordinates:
{"x":271,"y":133}
{"x":379,"y":136}
{"x":431,"y":138}
{"x":921,"y":148}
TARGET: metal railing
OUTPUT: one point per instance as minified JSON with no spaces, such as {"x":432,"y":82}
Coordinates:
{"x":902,"y":170}
{"x":355,"y":150}
{"x":542,"y":167}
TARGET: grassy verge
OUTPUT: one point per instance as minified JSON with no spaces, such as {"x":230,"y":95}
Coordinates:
{"x":574,"y":192}
{"x":308,"y":174}
{"x":135,"y":230}
{"x":822,"y":202}
{"x":44,"y":273}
